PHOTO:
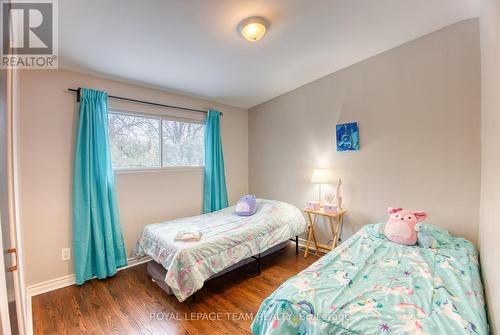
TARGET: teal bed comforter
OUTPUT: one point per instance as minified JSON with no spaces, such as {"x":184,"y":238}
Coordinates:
{"x":369,"y":285}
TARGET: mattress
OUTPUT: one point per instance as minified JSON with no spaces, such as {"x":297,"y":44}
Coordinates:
{"x":226,"y":240}
{"x":370,"y":285}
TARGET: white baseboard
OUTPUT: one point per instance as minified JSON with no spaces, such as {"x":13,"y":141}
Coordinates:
{"x":54,"y":284}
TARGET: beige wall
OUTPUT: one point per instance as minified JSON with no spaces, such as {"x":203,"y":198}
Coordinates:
{"x":47,"y":124}
{"x":489,"y":228}
{"x":418,"y":109}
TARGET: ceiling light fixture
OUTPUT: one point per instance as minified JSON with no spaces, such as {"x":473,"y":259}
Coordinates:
{"x":253,"y":28}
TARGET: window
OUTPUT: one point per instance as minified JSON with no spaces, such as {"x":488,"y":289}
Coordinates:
{"x":153,"y":142}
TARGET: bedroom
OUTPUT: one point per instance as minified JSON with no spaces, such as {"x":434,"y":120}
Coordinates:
{"x":417,"y":82}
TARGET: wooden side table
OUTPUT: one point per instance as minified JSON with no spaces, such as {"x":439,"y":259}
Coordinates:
{"x":336,"y":220}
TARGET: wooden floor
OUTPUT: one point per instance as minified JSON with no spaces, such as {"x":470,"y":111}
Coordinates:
{"x":130,"y":303}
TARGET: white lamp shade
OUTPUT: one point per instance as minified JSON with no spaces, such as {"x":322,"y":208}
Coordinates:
{"x":322,"y":176}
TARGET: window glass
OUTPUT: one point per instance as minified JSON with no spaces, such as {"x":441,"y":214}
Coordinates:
{"x":183,"y":143}
{"x":134,"y":141}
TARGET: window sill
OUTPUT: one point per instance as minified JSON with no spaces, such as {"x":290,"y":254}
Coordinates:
{"x":163,"y":169}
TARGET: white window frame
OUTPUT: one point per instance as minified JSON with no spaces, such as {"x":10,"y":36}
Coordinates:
{"x":160,"y":118}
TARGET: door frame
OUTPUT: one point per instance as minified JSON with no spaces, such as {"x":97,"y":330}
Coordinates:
{"x":4,"y":301}
{"x":13,"y":105}
{"x":12,"y":95}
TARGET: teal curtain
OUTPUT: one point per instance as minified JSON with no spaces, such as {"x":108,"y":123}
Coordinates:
{"x":97,"y":237}
{"x":215,"y":193}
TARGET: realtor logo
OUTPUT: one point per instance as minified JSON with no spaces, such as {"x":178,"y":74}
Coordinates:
{"x":29,"y":34}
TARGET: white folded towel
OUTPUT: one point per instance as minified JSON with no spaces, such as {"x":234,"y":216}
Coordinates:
{"x":188,"y":236}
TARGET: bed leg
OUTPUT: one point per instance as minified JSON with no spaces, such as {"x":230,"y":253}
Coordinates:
{"x":258,"y":264}
{"x":297,"y":244}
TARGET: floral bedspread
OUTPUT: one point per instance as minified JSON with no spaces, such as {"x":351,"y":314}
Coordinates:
{"x":226,"y":239}
{"x":369,"y":285}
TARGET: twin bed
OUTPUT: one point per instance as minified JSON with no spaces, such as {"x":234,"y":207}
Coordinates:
{"x":227,"y":241}
{"x":367,"y":285}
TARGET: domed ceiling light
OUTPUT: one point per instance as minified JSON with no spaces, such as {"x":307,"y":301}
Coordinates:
{"x":253,"y":28}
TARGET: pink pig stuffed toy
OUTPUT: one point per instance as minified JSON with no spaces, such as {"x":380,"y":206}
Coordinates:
{"x":400,"y":228}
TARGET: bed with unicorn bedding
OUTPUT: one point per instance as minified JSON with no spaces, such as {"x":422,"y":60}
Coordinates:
{"x":370,"y":285}
{"x":226,"y":239}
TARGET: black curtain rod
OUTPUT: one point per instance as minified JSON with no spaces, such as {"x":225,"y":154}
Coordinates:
{"x":142,"y":102}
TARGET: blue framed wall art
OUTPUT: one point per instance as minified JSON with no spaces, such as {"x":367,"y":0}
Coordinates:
{"x":348,"y":137}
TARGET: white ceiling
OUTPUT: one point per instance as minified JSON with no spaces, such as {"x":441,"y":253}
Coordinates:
{"x":192,"y":46}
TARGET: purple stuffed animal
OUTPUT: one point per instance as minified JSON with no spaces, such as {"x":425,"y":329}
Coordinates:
{"x":246,"y":206}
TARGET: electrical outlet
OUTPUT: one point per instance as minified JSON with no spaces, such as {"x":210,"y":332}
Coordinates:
{"x":65,"y":254}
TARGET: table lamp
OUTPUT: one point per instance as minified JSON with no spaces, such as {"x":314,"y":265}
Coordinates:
{"x":321,"y":176}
